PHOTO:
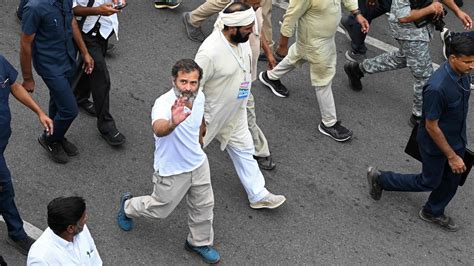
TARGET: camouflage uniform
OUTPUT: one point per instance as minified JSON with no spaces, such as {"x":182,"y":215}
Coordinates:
{"x":413,"y":52}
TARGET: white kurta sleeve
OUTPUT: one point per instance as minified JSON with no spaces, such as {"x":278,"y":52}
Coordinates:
{"x":207,"y":67}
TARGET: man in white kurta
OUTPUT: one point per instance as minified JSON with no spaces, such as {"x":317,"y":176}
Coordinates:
{"x":316,"y":22}
{"x":225,"y":57}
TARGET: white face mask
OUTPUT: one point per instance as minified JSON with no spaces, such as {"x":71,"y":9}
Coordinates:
{"x":190,"y":95}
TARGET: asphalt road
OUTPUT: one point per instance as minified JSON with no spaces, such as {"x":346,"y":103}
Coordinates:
{"x":328,"y":218}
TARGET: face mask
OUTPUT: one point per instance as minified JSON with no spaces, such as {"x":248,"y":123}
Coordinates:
{"x":190,"y":95}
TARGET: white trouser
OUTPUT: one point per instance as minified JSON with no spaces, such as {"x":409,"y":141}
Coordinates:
{"x":248,"y":171}
{"x":327,"y":107}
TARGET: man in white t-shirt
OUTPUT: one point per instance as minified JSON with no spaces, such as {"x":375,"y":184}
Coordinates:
{"x":181,"y":166}
{"x":67,"y":240}
{"x":225,"y":57}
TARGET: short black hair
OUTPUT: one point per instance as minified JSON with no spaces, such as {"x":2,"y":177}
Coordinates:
{"x":65,"y":211}
{"x":235,"y":7}
{"x":461,"y":44}
{"x":187,"y":66}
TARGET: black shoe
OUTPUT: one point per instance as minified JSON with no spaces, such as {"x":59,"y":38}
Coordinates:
{"x":23,"y":245}
{"x":114,"y":139}
{"x":414,"y":120}
{"x":275,"y":85}
{"x":194,"y":33}
{"x":344,"y":24}
{"x":337,"y":132}
{"x":54,"y":149}
{"x":354,"y":74}
{"x":444,"y":221}
{"x":69,"y":148}
{"x":88,"y":106}
{"x":375,"y":190}
{"x":265,"y":163}
{"x":170,"y":4}
{"x":354,"y":57}
{"x":2,"y":261}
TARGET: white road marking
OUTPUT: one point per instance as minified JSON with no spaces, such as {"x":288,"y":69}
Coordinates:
{"x":369,"y":40}
{"x":31,"y":230}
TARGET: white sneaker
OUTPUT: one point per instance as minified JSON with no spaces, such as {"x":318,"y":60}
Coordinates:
{"x":270,"y":201}
{"x":444,"y":34}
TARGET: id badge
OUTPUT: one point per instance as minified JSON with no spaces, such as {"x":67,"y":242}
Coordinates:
{"x":244,"y":90}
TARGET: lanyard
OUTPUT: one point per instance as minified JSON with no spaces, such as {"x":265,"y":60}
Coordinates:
{"x":240,"y":62}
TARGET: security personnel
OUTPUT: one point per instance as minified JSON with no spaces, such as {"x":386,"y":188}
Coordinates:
{"x":441,"y":137}
{"x":48,"y":29}
{"x":16,"y":234}
{"x":413,"y":50}
{"x":100,"y":24}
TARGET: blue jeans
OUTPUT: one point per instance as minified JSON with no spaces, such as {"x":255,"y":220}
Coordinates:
{"x":7,"y":204}
{"x":436,"y":176}
{"x":62,"y":105}
{"x":358,"y":38}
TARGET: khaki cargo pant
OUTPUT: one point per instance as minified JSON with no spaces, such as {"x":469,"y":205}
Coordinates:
{"x":168,"y":191}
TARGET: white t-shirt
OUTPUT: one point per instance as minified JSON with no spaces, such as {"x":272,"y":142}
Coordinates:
{"x":180,"y":151}
{"x":51,"y":249}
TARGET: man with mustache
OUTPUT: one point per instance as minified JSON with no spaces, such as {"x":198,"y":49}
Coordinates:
{"x":181,"y":166}
{"x":67,"y":240}
{"x":225,"y":57}
{"x":441,"y":137}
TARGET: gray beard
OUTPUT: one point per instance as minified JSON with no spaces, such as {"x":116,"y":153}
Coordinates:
{"x":191,"y":96}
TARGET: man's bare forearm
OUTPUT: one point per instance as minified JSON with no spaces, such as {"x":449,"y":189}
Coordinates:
{"x":25,"y":56}
{"x":439,"y":139}
{"x":76,"y":32}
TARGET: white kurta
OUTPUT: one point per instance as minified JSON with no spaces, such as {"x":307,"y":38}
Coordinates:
{"x":224,"y":83}
{"x":317,"y":22}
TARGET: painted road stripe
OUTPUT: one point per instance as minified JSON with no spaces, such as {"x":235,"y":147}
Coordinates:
{"x":369,"y":40}
{"x":31,"y":230}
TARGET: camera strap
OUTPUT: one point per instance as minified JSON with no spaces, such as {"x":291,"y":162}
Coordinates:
{"x":83,"y":18}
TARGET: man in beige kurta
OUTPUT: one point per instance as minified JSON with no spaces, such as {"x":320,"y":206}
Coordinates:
{"x":225,"y":57}
{"x":316,"y":22}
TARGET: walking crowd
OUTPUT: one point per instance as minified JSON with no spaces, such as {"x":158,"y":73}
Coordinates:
{"x":210,"y":98}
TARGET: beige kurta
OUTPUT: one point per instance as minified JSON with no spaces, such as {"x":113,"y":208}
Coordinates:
{"x":317,"y":22}
{"x":224,"y":112}
{"x":255,"y":41}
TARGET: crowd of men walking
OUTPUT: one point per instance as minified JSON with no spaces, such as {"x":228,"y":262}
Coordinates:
{"x":210,"y":99}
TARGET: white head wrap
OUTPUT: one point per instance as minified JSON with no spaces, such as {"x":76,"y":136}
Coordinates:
{"x":236,"y":19}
